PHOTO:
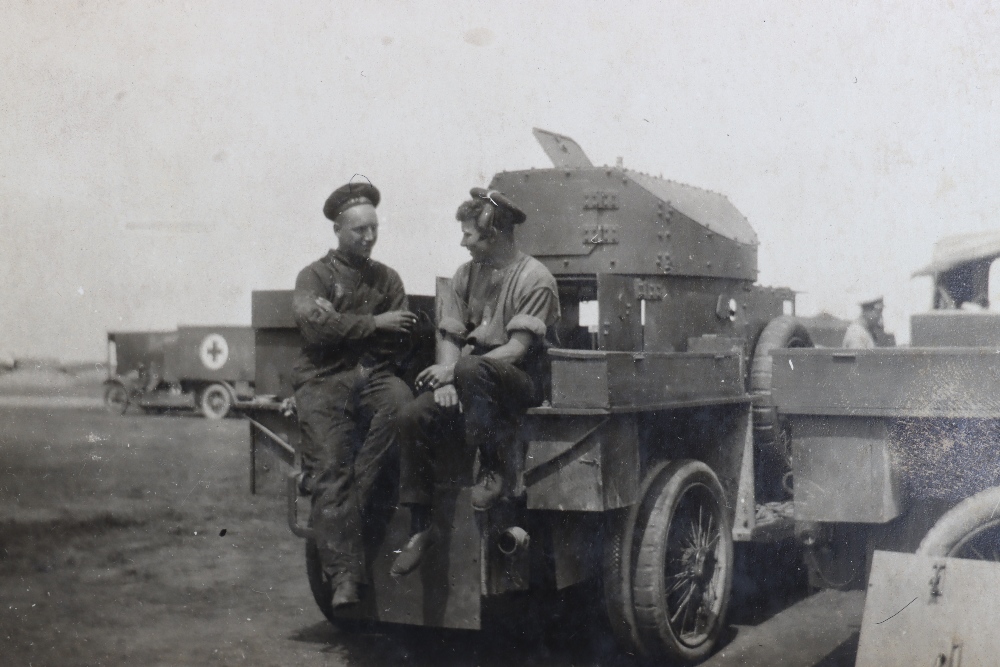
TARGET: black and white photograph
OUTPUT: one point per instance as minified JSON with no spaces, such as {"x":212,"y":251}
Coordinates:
{"x":474,"y":334}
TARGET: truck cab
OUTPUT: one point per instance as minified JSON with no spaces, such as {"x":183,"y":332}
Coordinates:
{"x":961,"y":315}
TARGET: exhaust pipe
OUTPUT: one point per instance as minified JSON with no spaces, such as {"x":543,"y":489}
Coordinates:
{"x":513,"y":540}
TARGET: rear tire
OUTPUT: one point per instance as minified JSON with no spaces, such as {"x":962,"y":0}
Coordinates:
{"x":116,"y":399}
{"x":215,"y":401}
{"x":971,"y":530}
{"x":684,"y":568}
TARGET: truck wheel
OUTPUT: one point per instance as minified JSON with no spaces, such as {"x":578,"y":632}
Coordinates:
{"x":620,"y":548}
{"x":116,"y":399}
{"x":971,"y":529}
{"x":771,"y":436}
{"x":215,"y":401}
{"x":684,"y":568}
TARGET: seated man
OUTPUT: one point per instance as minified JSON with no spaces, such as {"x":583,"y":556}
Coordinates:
{"x":491,"y":340}
{"x":351,"y":311}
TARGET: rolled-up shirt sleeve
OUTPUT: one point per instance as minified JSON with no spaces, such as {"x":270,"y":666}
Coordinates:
{"x":536,"y":311}
{"x":318,"y":321}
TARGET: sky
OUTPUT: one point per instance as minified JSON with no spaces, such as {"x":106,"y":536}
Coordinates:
{"x":161,"y":160}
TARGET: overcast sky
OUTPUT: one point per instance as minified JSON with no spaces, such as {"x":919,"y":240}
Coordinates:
{"x":159,"y":161}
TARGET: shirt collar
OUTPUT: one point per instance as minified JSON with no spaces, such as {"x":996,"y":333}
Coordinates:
{"x":344,"y":258}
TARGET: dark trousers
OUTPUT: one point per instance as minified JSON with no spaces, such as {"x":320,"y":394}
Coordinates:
{"x":349,"y":442}
{"x":493,"y":394}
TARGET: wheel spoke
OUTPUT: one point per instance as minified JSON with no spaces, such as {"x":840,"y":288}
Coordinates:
{"x":682,"y":578}
{"x":683,"y":604}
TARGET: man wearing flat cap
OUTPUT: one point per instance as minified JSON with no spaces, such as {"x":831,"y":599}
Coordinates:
{"x":865,"y":332}
{"x":352,"y":313}
{"x":491,"y":340}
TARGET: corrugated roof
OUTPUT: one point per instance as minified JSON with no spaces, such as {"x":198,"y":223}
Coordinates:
{"x":953,"y":251}
{"x":705,"y":207}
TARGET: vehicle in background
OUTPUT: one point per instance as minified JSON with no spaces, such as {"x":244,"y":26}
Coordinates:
{"x":207,"y":368}
{"x":898,"y":450}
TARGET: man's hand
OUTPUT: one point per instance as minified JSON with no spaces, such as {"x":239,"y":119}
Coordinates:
{"x":447,"y":397}
{"x":436,"y":376}
{"x":396,"y":320}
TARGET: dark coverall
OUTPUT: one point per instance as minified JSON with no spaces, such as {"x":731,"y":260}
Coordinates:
{"x":347,"y":395}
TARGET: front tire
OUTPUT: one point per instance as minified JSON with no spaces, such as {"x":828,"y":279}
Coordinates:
{"x":684,"y":568}
{"x":116,"y":399}
{"x":971,"y":530}
{"x":215,"y":401}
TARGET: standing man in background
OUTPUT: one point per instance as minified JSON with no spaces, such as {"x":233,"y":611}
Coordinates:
{"x":864,"y":332}
{"x":352,"y":313}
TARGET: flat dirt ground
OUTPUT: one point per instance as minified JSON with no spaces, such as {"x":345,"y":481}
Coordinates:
{"x":134,"y":540}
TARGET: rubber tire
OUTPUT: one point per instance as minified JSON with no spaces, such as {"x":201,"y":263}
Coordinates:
{"x":967,"y":520}
{"x":784,"y":332}
{"x":617,"y":570}
{"x":651,"y":582}
{"x":207,"y":404}
{"x":116,"y":399}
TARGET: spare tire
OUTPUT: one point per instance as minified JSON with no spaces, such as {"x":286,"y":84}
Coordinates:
{"x":770,"y":433}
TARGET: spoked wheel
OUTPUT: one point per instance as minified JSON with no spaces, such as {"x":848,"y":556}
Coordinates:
{"x":116,"y":399}
{"x":684,"y":567}
{"x":971,"y":530}
{"x":215,"y":401}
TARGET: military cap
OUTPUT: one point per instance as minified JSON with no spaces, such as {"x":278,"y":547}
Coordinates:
{"x":350,"y":195}
{"x":500,"y":200}
{"x":875,"y":302}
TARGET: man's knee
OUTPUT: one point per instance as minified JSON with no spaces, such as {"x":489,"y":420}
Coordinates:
{"x":470,"y":372}
{"x":396,"y":395}
{"x":415,"y":412}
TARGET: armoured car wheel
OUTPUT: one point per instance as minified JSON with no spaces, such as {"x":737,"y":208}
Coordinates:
{"x":620,"y":547}
{"x":215,"y":401}
{"x":116,"y":399}
{"x":684,"y":568}
{"x":971,"y":529}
